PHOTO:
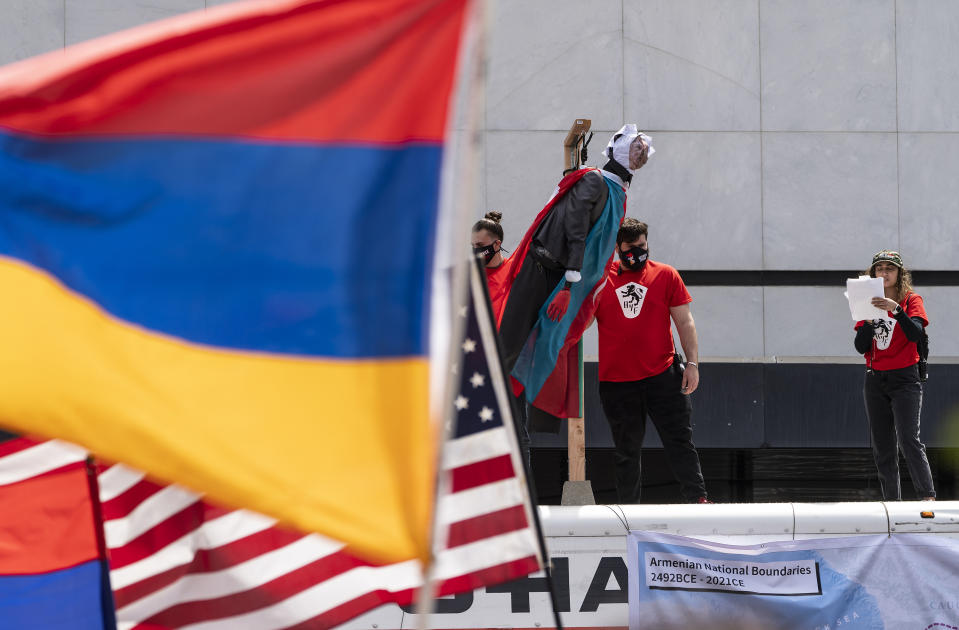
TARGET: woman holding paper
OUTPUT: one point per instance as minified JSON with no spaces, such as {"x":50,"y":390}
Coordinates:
{"x":892,"y":390}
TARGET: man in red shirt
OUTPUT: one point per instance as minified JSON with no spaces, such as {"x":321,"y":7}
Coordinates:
{"x":639,"y":372}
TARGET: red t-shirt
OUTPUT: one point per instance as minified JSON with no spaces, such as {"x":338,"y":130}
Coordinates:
{"x":496,"y":280}
{"x":890,"y":348}
{"x":635,"y":335}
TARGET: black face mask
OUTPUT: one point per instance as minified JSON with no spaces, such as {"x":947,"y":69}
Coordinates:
{"x":634,"y":258}
{"x":486,"y":251}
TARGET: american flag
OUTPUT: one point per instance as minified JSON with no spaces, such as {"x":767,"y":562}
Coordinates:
{"x":485,"y":515}
{"x":177,"y":561}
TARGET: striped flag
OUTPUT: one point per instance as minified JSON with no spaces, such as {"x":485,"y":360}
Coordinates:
{"x":52,"y":570}
{"x":485,"y":521}
{"x":179,"y":561}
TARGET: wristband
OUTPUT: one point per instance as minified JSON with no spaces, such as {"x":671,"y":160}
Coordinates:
{"x":691,"y":363}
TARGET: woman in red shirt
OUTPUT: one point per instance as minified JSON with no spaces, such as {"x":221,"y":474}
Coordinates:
{"x":487,"y":242}
{"x":892,"y":390}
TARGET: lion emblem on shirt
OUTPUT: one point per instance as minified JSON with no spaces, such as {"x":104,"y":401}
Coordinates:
{"x":631,"y":296}
{"x":883,"y":329}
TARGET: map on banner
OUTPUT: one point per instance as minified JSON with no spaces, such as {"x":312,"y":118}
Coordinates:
{"x":856,"y":582}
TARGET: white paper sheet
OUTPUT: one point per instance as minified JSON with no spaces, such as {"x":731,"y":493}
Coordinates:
{"x":859,"y":292}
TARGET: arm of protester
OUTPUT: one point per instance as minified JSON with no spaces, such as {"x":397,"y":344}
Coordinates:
{"x":864,"y":335}
{"x":911,"y":326}
{"x":686,"y":327}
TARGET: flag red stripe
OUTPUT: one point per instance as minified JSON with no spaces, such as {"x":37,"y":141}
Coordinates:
{"x":149,"y":542}
{"x":16,"y":445}
{"x":490,"y":575}
{"x":124,"y":503}
{"x":312,"y":72}
{"x":261,"y":596}
{"x":129,"y":594}
{"x":492,"y":524}
{"x":206,"y":560}
{"x":482,"y":472}
{"x":245,"y":549}
{"x":353,"y":608}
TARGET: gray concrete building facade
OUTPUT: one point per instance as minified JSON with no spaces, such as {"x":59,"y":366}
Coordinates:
{"x":793,"y":139}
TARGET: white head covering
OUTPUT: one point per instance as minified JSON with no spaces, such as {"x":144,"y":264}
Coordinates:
{"x":618,"y":147}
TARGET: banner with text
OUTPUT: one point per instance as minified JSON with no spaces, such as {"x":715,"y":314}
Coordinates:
{"x":855,"y":582}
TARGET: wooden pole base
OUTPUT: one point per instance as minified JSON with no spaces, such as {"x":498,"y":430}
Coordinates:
{"x":578,"y":493}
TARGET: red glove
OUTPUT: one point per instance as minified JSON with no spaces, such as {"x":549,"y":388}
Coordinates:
{"x":557,"y":308}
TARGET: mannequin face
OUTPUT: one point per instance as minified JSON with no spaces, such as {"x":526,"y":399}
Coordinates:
{"x":638,"y":153}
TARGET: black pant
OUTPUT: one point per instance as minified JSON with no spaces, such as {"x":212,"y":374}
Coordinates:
{"x":893,"y":401}
{"x":626,"y":405}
